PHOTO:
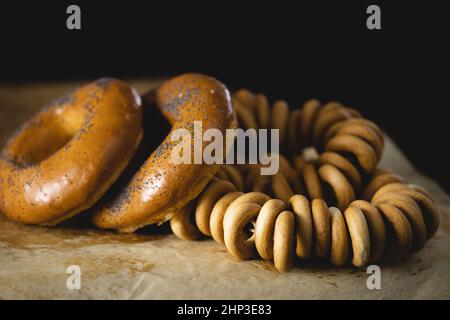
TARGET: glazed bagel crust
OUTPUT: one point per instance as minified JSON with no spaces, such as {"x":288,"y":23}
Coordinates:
{"x":66,"y":157}
{"x":160,"y":187}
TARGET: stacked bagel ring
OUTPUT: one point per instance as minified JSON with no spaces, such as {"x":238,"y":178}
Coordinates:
{"x":335,"y":205}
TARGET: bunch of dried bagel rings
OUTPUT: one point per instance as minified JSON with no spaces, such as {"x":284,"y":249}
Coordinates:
{"x":328,"y":201}
{"x":66,"y":159}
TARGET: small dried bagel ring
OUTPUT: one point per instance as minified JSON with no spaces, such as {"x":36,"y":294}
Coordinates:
{"x":246,"y":97}
{"x":399,"y":232}
{"x":340,"y":246}
{"x":312,"y":182}
{"x":281,"y":187}
{"x":264,"y":227}
{"x":244,"y":115}
{"x":364,"y":152}
{"x":366,"y":133}
{"x":379,"y":181}
{"x":359,"y":121}
{"x":427,"y":206}
{"x":280,"y":119}
{"x":250,"y":197}
{"x":322,"y":227}
{"x":218,"y":214}
{"x":377,"y":229}
{"x":341,"y":187}
{"x":305,"y":229}
{"x":283,"y":242}
{"x":182,"y":226}
{"x":309,"y":113}
{"x":331,"y":113}
{"x":347,"y":168}
{"x":412,"y":212}
{"x":359,"y":235}
{"x":206,"y":202}
{"x":235,"y":238}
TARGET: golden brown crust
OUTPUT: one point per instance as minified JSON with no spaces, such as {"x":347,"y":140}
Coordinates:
{"x":377,"y":229}
{"x":428,"y":208}
{"x":359,"y":235}
{"x":399,"y":231}
{"x":322,"y":228}
{"x":412,"y":212}
{"x":283,"y":241}
{"x":235,"y":238}
{"x":181,"y":225}
{"x":347,"y":168}
{"x":160,"y":188}
{"x":264,"y":228}
{"x":312,"y":182}
{"x":207,"y":200}
{"x":309,"y":113}
{"x":280,"y":119}
{"x":65,"y":158}
{"x":342,"y":189}
{"x":379,"y":180}
{"x":331,"y":113}
{"x":340,"y":246}
{"x":305,"y":229}
{"x":281,"y":187}
{"x":365,"y":153}
{"x":218,"y":214}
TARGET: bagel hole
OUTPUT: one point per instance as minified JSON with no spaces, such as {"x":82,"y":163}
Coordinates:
{"x":249,"y":230}
{"x":329,"y":194}
{"x":45,"y":134}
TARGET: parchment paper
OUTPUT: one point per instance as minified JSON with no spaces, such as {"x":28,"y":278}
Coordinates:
{"x":33,"y":260}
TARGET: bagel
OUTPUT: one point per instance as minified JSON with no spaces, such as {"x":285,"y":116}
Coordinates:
{"x":67,"y":156}
{"x":160,"y":187}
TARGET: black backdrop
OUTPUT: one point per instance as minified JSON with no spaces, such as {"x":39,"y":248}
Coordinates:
{"x":397,"y":76}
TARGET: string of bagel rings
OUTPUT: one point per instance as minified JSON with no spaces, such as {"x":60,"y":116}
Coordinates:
{"x":329,"y":200}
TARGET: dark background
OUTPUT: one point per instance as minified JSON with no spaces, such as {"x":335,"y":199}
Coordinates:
{"x":397,"y":76}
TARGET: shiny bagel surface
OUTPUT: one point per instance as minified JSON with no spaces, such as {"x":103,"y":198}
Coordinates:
{"x":161,"y":187}
{"x":66,"y":157}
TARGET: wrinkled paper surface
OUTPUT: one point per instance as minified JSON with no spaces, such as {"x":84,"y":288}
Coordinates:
{"x":34,"y":260}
